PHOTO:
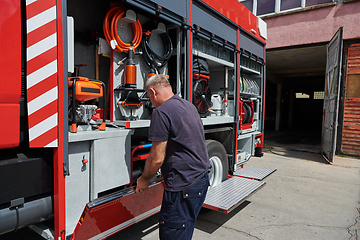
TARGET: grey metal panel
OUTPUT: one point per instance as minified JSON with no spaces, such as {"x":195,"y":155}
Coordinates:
{"x":103,"y":171}
{"x":230,"y":193}
{"x":208,"y":20}
{"x":110,"y":163}
{"x":251,"y":45}
{"x":77,"y":183}
{"x":252,"y":172}
{"x":173,"y":11}
{"x":176,"y":6}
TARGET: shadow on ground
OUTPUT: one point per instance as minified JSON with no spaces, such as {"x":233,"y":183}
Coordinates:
{"x":221,"y":218}
{"x":293,"y":153}
{"x":288,"y":143}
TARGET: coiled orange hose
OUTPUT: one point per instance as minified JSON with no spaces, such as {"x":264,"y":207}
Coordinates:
{"x":111,"y":19}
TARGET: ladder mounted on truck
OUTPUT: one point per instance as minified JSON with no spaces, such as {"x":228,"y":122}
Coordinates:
{"x":229,"y":194}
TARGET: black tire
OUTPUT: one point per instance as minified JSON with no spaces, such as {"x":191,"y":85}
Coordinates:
{"x":219,"y":162}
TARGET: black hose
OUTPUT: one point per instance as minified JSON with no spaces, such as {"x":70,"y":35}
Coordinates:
{"x":152,"y":59}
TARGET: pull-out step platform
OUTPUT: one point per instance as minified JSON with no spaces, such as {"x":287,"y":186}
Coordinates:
{"x":229,"y":194}
{"x":256,"y":173}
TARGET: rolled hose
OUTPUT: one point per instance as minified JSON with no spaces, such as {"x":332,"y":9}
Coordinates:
{"x":111,"y":19}
{"x":152,"y":59}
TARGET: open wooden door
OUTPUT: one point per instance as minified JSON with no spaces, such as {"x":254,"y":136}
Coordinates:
{"x":331,"y":95}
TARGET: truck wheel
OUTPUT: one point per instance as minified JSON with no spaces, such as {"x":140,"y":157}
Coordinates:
{"x":218,"y":162}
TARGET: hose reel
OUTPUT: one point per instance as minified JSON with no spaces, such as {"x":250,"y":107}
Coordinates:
{"x":202,"y":91}
{"x":202,"y":96}
{"x":247,"y":112}
{"x":111,"y":20}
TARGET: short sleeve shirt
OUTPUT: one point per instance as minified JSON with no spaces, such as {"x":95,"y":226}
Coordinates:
{"x":177,"y":121}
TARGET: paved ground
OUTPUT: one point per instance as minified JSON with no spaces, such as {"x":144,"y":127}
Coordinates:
{"x":306,"y":198}
{"x":299,"y":140}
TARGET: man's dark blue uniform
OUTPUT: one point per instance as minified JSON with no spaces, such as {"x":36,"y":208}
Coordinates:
{"x":185,"y":166}
{"x":179,"y":148}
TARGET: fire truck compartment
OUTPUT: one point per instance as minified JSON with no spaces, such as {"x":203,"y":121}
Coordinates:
{"x":229,"y":194}
{"x":245,"y":148}
{"x":99,"y":161}
{"x":24,"y":178}
{"x":26,"y":189}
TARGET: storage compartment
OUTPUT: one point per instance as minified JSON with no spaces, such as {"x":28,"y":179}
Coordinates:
{"x":160,"y":41}
{"x":245,"y":149}
{"x":16,"y":173}
{"x":213,"y":92}
{"x":251,"y":89}
{"x":92,"y":171}
{"x":121,"y":44}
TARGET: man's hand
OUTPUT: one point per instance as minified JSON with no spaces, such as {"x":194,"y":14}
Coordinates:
{"x":152,"y":165}
{"x":142,"y":184}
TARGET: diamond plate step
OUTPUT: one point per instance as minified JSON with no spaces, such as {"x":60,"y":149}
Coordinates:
{"x":256,"y":173}
{"x":229,"y":194}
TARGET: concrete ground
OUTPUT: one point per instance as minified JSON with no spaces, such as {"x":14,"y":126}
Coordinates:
{"x":306,"y":198}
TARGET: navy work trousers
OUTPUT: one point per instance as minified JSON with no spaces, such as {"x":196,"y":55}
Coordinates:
{"x":179,"y":211}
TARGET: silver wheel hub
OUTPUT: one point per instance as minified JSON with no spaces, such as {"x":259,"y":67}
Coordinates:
{"x":216,"y":170}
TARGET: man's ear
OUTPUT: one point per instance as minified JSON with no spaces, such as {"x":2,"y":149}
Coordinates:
{"x":153,"y":91}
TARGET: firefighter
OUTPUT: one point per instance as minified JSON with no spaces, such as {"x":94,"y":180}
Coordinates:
{"x":179,"y":148}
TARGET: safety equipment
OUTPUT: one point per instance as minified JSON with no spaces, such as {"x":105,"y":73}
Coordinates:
{"x":202,"y":95}
{"x":247,"y":112}
{"x":152,"y":59}
{"x":111,"y":34}
{"x":82,"y":89}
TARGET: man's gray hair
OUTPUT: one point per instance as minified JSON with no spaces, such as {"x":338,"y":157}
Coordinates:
{"x":157,"y":79}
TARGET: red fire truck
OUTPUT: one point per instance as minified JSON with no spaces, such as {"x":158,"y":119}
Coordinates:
{"x":72,"y":77}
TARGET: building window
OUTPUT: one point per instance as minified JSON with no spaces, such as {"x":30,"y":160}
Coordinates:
{"x":289,"y":4}
{"x":319,"y":95}
{"x":353,"y":86}
{"x":302,"y":95}
{"x":265,"y":6}
{"x":261,"y":7}
{"x":314,"y":2}
{"x":248,"y":4}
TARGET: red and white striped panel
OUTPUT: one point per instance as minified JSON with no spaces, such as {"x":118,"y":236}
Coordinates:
{"x":42,"y":82}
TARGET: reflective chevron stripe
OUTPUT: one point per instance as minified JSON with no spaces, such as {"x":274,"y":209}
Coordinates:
{"x":42,"y":80}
